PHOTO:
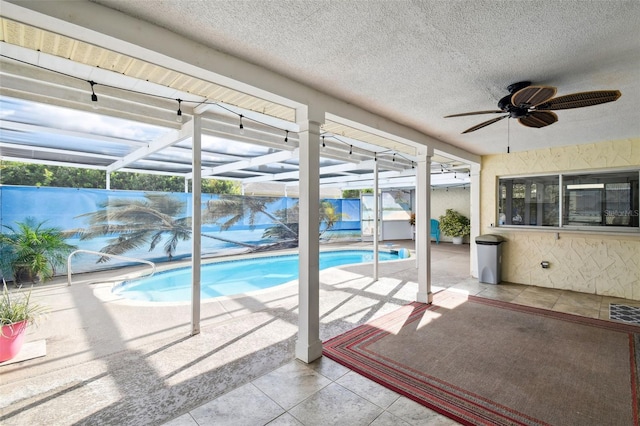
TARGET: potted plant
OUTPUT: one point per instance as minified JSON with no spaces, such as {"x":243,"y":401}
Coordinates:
{"x":31,"y":252}
{"x":412,"y":222}
{"x":455,"y":224}
{"x":16,"y":312}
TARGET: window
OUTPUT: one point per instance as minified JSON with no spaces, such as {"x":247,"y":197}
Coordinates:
{"x":529,"y":201}
{"x":601,"y":200}
{"x":585,"y":200}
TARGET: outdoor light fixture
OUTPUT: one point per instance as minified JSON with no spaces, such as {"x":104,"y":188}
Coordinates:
{"x":241,"y":125}
{"x":350,"y":150}
{"x":375,"y":156}
{"x":179,"y":116}
{"x":323,"y":144}
{"x":94,"y":97}
{"x":394,"y":158}
{"x":286,"y":136}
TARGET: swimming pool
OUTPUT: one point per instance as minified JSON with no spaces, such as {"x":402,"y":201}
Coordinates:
{"x":237,"y":276}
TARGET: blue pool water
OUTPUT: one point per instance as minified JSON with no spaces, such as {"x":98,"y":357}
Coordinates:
{"x":236,"y":276}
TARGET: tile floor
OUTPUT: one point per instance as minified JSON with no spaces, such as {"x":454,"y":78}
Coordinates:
{"x":327,"y":393}
{"x":111,"y":362}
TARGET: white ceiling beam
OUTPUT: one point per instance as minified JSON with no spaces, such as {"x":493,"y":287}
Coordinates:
{"x":57,"y":151}
{"x":274,"y":157}
{"x":24,"y":127}
{"x":164,"y":141}
{"x":52,"y":163}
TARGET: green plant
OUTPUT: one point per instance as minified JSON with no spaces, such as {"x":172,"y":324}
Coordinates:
{"x":454,"y":224}
{"x":18,"y":308}
{"x":412,"y":219}
{"x":31,"y":251}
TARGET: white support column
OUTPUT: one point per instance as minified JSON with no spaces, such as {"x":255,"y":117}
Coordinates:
{"x":196,"y":223}
{"x":423,"y":225}
{"x":186,"y":184}
{"x":309,"y":345}
{"x":376,"y":220}
{"x":475,"y":217}
{"x":108,"y":180}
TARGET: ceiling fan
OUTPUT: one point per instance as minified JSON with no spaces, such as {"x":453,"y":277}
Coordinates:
{"x":532,"y":105}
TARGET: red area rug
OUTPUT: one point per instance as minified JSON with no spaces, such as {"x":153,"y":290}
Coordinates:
{"x":485,"y":362}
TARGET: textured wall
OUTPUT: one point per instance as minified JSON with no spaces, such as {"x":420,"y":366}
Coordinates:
{"x":455,"y":198}
{"x":594,"y":262}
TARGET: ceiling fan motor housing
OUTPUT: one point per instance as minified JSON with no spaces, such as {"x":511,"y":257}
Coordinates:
{"x":514,"y":112}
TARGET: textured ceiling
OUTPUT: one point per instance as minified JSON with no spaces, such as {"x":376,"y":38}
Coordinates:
{"x":417,"y":61}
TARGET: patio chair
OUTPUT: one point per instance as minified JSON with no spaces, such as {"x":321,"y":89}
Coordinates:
{"x":435,"y":230}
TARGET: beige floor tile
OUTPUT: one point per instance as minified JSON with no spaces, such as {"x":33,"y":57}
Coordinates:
{"x":585,"y":311}
{"x":329,"y":368}
{"x":246,"y":405}
{"x":291,"y":383}
{"x":335,"y":405}
{"x":538,"y":297}
{"x":368,"y":389}
{"x":503,"y":292}
{"x":418,"y":415}
{"x":285,"y":420}
{"x":388,"y":419}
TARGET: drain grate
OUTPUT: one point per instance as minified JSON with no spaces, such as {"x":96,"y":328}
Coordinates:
{"x":625,"y":313}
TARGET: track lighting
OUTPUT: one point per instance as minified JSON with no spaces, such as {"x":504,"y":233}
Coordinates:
{"x":94,"y":97}
{"x":179,"y":113}
{"x":375,"y":156}
{"x":323,"y":144}
{"x":241,"y":125}
{"x":286,"y":136}
{"x":394,"y":158}
{"x":350,"y":150}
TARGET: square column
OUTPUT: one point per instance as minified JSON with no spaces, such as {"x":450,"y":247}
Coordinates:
{"x":475,"y":217}
{"x":423,"y":225}
{"x":309,"y":345}
{"x":196,"y":222}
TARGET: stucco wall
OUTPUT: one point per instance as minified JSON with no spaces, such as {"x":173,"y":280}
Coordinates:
{"x":586,"y":262}
{"x":454,"y":198}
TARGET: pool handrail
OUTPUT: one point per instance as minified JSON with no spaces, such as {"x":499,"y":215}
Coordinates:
{"x":98,"y":253}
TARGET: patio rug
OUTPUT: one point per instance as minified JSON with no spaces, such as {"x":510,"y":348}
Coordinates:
{"x":485,"y":362}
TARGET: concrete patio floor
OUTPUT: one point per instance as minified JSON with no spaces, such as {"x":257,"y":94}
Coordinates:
{"x":110,"y":361}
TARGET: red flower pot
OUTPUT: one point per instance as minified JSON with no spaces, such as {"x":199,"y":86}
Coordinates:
{"x":11,"y":340}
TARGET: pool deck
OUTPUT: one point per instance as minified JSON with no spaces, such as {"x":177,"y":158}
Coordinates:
{"x":109,"y":361}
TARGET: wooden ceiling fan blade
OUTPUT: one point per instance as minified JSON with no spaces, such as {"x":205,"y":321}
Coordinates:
{"x":484,"y":124}
{"x":495,"y":111}
{"x":538,"y":119}
{"x":579,"y":100}
{"x":532,"y":96}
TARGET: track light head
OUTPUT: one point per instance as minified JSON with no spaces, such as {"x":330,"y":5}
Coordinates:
{"x":241,"y":125}
{"x":179,"y":112}
{"x":94,"y":97}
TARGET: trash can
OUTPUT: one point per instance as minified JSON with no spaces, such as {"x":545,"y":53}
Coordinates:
{"x":489,"y":258}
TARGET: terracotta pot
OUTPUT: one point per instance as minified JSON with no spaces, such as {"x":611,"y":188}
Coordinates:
{"x":11,"y":340}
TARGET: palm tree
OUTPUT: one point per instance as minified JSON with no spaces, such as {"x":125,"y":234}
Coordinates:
{"x":138,"y":222}
{"x":32,"y":251}
{"x":328,"y":217}
{"x":237,"y":208}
